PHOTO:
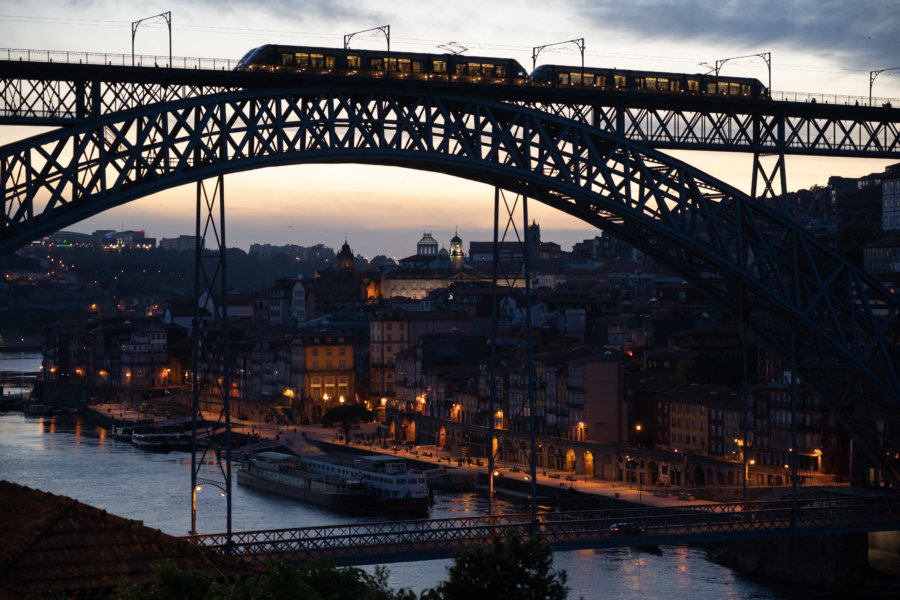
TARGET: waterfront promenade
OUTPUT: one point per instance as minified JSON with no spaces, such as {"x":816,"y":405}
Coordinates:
{"x":300,"y":437}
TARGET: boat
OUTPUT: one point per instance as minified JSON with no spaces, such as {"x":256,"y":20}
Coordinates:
{"x":161,"y":439}
{"x":394,"y":486}
{"x":283,"y":474}
{"x":123,"y":430}
{"x":35,"y":409}
{"x":453,"y":479}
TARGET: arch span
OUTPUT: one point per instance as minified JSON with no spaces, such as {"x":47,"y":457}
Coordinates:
{"x":701,"y":228}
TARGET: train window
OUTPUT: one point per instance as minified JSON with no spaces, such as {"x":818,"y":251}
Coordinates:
{"x":500,"y":70}
{"x":589,"y":79}
{"x":475,"y":69}
{"x":439,"y":66}
{"x":712,"y":87}
{"x":391,"y":64}
{"x":329,"y":62}
{"x":376,"y":64}
{"x":353,"y":61}
{"x":316,"y":61}
{"x":745,"y":89}
{"x":563,"y":79}
{"x":693,"y":85}
{"x":639,"y":83}
{"x":460,"y":69}
{"x":404,"y":65}
{"x":487,"y":70}
{"x":620,"y":81}
{"x":418,"y":66}
{"x":734,"y":89}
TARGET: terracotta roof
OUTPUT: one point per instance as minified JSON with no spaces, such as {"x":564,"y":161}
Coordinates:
{"x":50,"y":542}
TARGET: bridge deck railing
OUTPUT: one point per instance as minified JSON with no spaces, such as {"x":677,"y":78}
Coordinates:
{"x":117,"y":60}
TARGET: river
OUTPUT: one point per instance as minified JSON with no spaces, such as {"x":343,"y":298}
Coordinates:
{"x":70,"y":456}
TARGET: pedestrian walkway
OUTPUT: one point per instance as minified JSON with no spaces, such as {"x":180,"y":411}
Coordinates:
{"x":302,"y":438}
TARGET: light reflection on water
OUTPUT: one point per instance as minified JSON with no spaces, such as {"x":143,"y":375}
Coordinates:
{"x":68,"y":456}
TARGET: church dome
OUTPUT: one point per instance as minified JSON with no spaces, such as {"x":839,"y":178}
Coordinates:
{"x":427,"y":246}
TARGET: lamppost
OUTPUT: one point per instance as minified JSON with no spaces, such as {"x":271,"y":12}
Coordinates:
{"x":194,"y":491}
{"x":873,"y":75}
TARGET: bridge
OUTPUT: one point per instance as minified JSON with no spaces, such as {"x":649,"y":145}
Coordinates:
{"x":128,"y":132}
{"x":395,"y":541}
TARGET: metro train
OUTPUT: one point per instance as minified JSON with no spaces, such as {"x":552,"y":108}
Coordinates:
{"x":459,"y":68}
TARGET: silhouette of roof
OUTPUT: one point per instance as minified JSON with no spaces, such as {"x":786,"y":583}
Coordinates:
{"x":55,"y":543}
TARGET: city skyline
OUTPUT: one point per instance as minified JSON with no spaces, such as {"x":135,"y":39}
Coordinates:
{"x":823,"y":47}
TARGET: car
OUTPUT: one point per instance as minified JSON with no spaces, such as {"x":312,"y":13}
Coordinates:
{"x":625,"y":529}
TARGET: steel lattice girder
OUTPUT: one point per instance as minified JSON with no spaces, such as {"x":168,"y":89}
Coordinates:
{"x":66,"y":94}
{"x":782,"y":127}
{"x":712,"y":234}
{"x":377,"y":542}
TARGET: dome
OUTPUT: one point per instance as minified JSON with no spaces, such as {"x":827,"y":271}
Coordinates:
{"x":427,"y":246}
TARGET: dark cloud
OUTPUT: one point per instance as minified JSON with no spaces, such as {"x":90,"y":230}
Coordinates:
{"x":856,"y":34}
{"x":298,"y":11}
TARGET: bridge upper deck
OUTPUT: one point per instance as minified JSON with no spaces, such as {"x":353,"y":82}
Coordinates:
{"x":38,"y":90}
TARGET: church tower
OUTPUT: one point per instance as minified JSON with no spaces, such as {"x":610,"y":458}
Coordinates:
{"x":457,"y":258}
{"x":345,"y":257}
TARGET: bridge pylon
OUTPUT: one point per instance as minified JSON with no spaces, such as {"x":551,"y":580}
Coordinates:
{"x":211,"y":370}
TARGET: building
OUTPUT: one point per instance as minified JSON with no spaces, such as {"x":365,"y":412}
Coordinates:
{"x":890,"y":200}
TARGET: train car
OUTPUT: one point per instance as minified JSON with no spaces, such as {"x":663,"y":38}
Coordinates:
{"x":562,"y":76}
{"x":379,"y":63}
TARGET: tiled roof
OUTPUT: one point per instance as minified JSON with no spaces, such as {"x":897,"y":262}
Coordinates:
{"x":50,"y":542}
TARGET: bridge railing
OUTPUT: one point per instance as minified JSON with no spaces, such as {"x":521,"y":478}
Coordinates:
{"x":117,"y":60}
{"x":821,"y":98}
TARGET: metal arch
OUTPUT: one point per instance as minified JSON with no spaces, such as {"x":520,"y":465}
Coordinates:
{"x":701,"y":228}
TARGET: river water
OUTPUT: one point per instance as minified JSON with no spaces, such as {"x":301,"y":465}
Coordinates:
{"x":69,"y":456}
{"x":72,"y":457}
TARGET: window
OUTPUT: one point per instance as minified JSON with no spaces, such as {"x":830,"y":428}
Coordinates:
{"x":439,"y":66}
{"x":353,"y":61}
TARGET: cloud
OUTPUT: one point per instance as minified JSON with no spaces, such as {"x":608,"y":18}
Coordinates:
{"x":859,"y":35}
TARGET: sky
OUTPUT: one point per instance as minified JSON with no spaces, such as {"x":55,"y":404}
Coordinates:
{"x":823,"y":46}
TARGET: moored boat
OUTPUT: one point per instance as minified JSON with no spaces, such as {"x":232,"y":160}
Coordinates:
{"x":283,"y":474}
{"x":394,"y":485}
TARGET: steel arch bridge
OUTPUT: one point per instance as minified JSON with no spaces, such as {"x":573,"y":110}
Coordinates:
{"x":807,"y":302}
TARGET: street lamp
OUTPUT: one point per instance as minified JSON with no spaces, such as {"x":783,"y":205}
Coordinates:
{"x":873,"y":75}
{"x":194,"y":491}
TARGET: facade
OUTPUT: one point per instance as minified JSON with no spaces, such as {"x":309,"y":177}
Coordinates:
{"x":890,"y":200}
{"x":328,"y":376}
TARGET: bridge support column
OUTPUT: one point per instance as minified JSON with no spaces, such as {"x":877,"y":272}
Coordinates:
{"x":822,"y":560}
{"x":211,"y":381}
{"x":512,"y":271}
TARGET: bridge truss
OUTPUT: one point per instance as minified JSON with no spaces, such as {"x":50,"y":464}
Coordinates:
{"x":381,"y":542}
{"x":727,"y":244}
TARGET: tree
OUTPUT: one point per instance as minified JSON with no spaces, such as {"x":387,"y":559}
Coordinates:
{"x":503,"y":568}
{"x":346,"y":416}
{"x":281,"y":581}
